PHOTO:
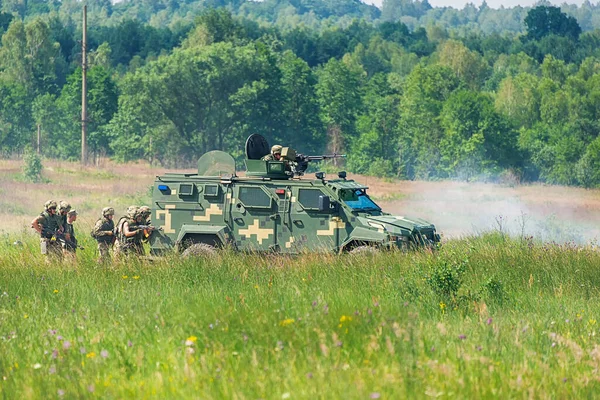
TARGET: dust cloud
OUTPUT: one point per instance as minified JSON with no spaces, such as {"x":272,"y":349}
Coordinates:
{"x":548,"y":213}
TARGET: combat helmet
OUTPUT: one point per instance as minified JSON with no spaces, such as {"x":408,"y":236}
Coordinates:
{"x":276,"y":149}
{"x":144,"y":211}
{"x":132,"y":211}
{"x":50,"y":204}
{"x":64,"y":206}
{"x":106,"y":211}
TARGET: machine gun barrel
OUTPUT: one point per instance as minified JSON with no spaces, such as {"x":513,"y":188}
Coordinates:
{"x":325,"y":157}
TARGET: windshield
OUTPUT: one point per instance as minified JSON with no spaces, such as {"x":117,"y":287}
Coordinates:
{"x":357,"y":199}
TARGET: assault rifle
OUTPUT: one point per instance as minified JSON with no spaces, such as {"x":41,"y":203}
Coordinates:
{"x":148,"y":229}
{"x":60,"y":236}
{"x":301,"y":161}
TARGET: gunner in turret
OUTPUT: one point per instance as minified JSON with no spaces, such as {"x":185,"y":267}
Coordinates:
{"x":275,"y":154}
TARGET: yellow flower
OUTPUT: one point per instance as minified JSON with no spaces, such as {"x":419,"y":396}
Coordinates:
{"x":442,"y":306}
{"x":286,"y":322}
{"x":192,"y":339}
{"x":25,"y":316}
{"x":136,"y":277}
{"x":255,"y":286}
{"x":125,"y":277}
{"x":345,"y":318}
{"x":55,"y":291}
{"x":91,"y":354}
{"x":592,"y":321}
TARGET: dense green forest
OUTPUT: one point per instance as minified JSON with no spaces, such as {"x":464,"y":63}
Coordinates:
{"x":408,"y":91}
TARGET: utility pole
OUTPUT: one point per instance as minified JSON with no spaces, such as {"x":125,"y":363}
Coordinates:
{"x":39,"y":138}
{"x":84,"y":89}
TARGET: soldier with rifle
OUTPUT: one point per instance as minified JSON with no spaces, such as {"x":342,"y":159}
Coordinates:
{"x":103,"y":232}
{"x":69,"y":241}
{"x":49,"y":225}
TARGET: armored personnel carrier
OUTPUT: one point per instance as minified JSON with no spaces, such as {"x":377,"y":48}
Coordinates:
{"x":272,"y":208}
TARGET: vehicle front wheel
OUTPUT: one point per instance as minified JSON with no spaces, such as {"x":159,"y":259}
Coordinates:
{"x":364,"y":250}
{"x":199,"y":250}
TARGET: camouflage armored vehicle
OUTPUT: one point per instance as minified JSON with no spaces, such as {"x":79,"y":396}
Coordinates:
{"x":273,"y":209}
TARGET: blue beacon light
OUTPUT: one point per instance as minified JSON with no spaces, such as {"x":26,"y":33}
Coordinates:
{"x":163,"y":188}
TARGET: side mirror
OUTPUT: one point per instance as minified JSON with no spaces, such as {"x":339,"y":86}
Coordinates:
{"x":324,"y":203}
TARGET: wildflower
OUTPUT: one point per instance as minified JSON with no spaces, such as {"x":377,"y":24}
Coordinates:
{"x":314,"y":303}
{"x":592,"y":321}
{"x":91,"y":354}
{"x":191,"y":340}
{"x":124,"y":277}
{"x":553,"y":344}
{"x":255,"y":286}
{"x":344,"y":318}
{"x":286,"y":395}
{"x":104,"y":353}
{"x":60,"y":392}
{"x":55,"y":291}
{"x":82,"y":350}
{"x":442,"y":306}
{"x":59,"y":338}
{"x":66,"y":345}
{"x":375,"y":395}
{"x":37,"y":366}
{"x":489,"y":321}
{"x":136,"y":277}
{"x":129,"y":344}
{"x":462,"y":337}
{"x":479,"y":348}
{"x":309,"y":375}
{"x":25,"y":316}
{"x":54,"y":354}
{"x":286,"y":322}
{"x":52,"y":369}
{"x":91,"y":388}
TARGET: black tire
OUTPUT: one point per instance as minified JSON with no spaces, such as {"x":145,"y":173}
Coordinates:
{"x":364,"y":250}
{"x":199,"y":250}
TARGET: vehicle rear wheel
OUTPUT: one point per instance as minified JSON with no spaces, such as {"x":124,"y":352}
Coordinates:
{"x":199,"y":250}
{"x":364,"y":250}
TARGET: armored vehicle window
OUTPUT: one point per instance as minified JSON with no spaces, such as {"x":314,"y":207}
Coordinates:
{"x":358,"y":200}
{"x":211,"y":190}
{"x":309,"y":198}
{"x":186,"y":189}
{"x":254,"y":197}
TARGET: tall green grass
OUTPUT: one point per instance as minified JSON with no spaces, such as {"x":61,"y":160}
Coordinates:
{"x":480,"y":318}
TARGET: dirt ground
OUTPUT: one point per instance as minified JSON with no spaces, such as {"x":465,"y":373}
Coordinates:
{"x":456,"y":208}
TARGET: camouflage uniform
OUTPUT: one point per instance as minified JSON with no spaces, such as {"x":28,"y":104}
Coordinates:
{"x":50,"y":224}
{"x":69,"y":246}
{"x":145,"y":213}
{"x":103,"y":232}
{"x":133,"y":244}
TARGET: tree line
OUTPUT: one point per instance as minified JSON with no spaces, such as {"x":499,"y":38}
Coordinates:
{"x":421,"y":102}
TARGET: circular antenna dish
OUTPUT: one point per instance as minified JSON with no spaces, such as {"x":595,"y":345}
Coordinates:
{"x":256,"y":147}
{"x":216,"y":163}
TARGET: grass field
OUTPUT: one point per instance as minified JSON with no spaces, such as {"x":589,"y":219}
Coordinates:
{"x":480,"y":318}
{"x":486,"y":316}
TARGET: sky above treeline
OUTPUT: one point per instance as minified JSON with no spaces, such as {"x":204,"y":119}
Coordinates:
{"x":491,"y":3}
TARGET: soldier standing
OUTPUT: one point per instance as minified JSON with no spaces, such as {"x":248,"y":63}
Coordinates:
{"x":70,"y":245}
{"x":63,"y":210}
{"x":126,"y":231}
{"x":48,"y":224}
{"x":103,"y":232}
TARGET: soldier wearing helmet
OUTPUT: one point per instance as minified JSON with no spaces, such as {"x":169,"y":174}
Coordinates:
{"x":275,"y":154}
{"x":129,"y":237}
{"x":103,"y":232}
{"x":70,"y":245}
{"x":63,"y":209}
{"x":48,"y":224}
